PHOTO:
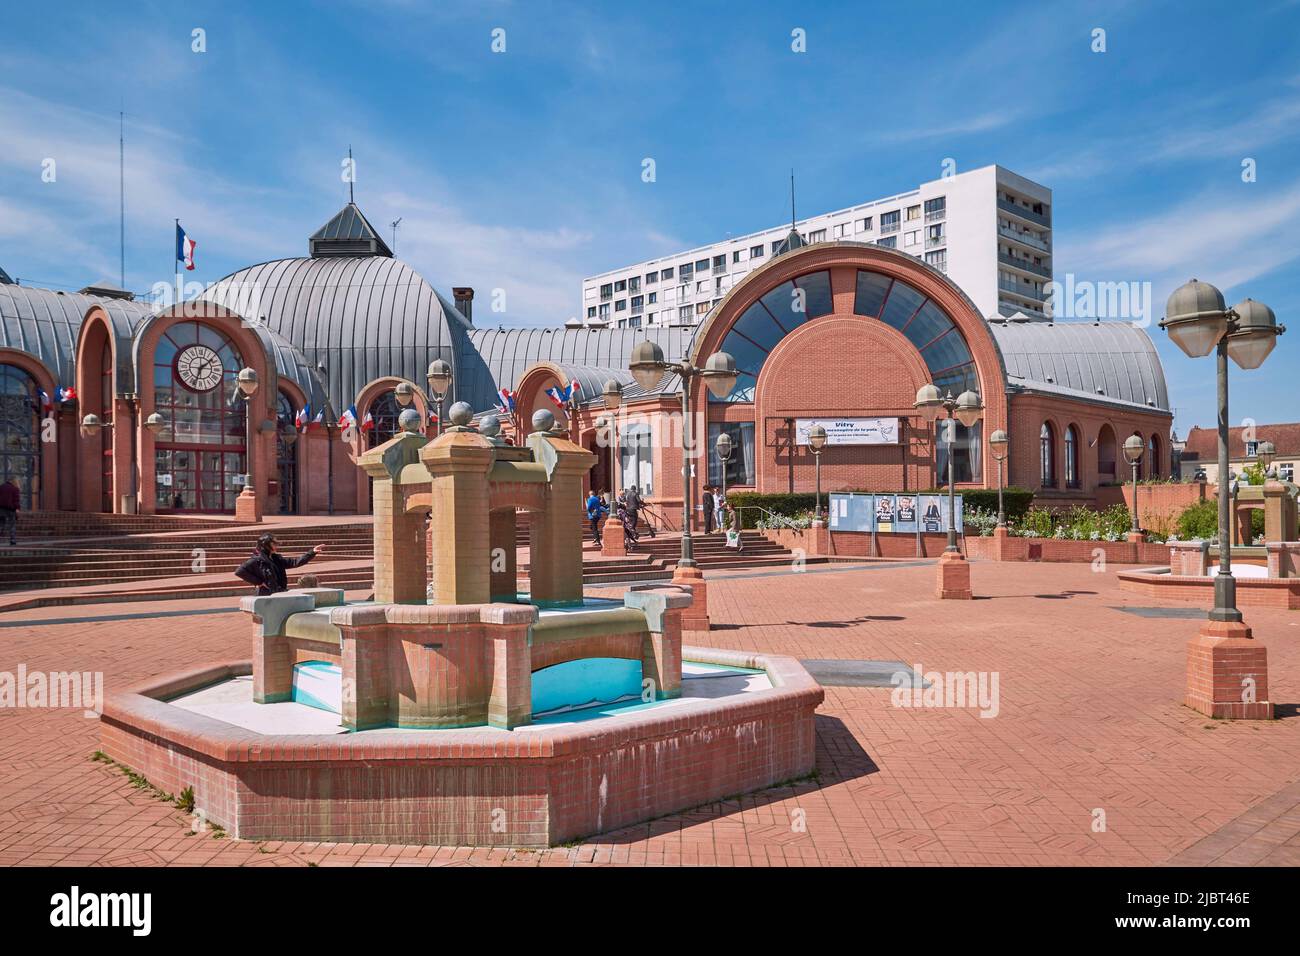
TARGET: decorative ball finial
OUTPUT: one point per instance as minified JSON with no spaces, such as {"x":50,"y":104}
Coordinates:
{"x":460,"y":414}
{"x":543,"y":420}
{"x":409,"y":420}
{"x":489,"y":426}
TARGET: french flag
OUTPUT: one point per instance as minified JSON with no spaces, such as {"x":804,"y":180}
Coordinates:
{"x":367,"y":423}
{"x":507,"y":400}
{"x":556,"y":396}
{"x":302,"y":418}
{"x":68,"y":394}
{"x":349,"y":417}
{"x":433,"y":416}
{"x":47,"y":403}
{"x":320,"y":418}
{"x":184,"y":247}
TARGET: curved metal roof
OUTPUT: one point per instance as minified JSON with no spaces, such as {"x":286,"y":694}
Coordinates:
{"x":499,"y":357}
{"x":45,"y":323}
{"x":363,"y":317}
{"x":1110,"y":362}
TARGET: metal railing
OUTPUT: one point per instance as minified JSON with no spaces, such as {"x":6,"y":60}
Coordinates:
{"x":933,"y":241}
{"x":1025,"y":264}
{"x":1024,"y":212}
{"x":1028,"y":238}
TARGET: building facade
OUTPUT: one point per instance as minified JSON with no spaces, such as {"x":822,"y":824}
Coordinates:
{"x":836,"y":330}
{"x":1200,"y":453}
{"x":989,"y":230}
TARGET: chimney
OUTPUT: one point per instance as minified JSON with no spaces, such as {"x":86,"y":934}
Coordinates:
{"x":464,"y":301}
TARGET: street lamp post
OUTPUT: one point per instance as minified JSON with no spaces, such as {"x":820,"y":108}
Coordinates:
{"x":1198,"y":320}
{"x":724,"y":448}
{"x":648,"y":367}
{"x":966,"y":408}
{"x":816,"y":442}
{"x":246,"y":504}
{"x":91,"y":425}
{"x":1133,"y":447}
{"x":998,"y":441}
{"x":954,"y":571}
{"x":439,"y":377}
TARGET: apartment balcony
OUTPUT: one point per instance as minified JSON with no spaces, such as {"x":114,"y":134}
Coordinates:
{"x":886,"y":230}
{"x":638,"y":309}
{"x":934,"y":243}
{"x":720,"y":270}
{"x":936,"y":215}
{"x":1029,"y":292}
{"x":1024,"y":212}
{"x":1025,"y":238}
{"x":606,"y":296}
{"x":1026,"y":264}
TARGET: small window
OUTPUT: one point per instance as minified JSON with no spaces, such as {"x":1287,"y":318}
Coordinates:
{"x":620,"y":285}
{"x":1046,"y":458}
{"x":735,"y":256}
{"x":756,"y":252}
{"x":666,"y":274}
{"x":651,"y":278}
{"x":913,"y":212}
{"x":620,"y":305}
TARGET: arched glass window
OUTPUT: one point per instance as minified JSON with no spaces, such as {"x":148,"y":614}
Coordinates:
{"x":1072,"y":457}
{"x":199,"y":455}
{"x":384,"y":411}
{"x":1153,"y":457}
{"x":20,"y":434}
{"x":1047,"y":464}
{"x":966,"y":446}
{"x":925,"y":325}
{"x":767,"y":322}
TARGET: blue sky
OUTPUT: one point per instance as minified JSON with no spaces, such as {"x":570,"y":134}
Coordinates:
{"x":522,"y":170}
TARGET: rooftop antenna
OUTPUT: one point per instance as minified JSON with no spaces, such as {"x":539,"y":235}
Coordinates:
{"x":792,"y":198}
{"x":121,"y":196}
{"x":352,"y":173}
{"x":395,"y":223}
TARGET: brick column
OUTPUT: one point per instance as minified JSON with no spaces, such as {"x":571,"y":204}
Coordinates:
{"x":661,"y":648}
{"x":695,"y":617}
{"x":459,"y":462}
{"x":400,"y":569}
{"x":509,"y":662}
{"x":953,"y":580}
{"x":612,"y":541}
{"x":555,"y":535}
{"x":504,"y":574}
{"x":1227,"y":673}
{"x":365,"y":664}
{"x":272,"y":662}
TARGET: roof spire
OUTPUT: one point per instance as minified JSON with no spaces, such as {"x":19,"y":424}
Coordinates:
{"x":352,"y":173}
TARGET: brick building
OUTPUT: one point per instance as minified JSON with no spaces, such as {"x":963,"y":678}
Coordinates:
{"x":842,"y":332}
{"x":1200,"y":453}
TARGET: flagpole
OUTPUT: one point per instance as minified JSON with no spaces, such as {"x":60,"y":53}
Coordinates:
{"x":177,"y":262}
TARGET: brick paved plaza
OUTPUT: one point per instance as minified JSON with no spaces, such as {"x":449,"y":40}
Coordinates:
{"x":1089,"y":719}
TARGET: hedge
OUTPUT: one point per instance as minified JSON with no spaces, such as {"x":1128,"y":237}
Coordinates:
{"x":1015,"y":500}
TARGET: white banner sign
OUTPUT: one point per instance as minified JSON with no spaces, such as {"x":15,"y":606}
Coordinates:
{"x":851,"y":431}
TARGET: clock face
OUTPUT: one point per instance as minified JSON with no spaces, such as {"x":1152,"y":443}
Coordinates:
{"x":199,"y":368}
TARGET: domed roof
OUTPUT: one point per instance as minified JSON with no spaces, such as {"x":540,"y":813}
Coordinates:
{"x":360,"y":317}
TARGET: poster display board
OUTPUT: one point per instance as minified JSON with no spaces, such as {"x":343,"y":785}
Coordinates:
{"x":904,"y":513}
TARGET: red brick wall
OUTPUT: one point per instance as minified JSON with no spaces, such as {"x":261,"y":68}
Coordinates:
{"x":1158,"y":505}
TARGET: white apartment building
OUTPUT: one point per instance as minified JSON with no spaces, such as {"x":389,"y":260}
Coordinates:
{"x":989,"y":229}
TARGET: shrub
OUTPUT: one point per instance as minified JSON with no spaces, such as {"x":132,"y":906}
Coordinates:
{"x":1199,"y":520}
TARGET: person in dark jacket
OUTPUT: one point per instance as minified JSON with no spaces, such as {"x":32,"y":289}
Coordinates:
{"x":595,"y":511}
{"x":10,"y":501}
{"x":265,"y":570}
{"x":707,"y":503}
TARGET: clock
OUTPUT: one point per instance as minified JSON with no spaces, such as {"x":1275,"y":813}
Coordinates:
{"x":199,"y":368}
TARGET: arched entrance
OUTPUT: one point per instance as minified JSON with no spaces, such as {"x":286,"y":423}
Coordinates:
{"x":199,"y":455}
{"x":20,"y":434}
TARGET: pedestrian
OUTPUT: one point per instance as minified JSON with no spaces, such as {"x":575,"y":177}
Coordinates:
{"x":707,"y":502}
{"x":630,"y":536}
{"x":265,"y":570}
{"x":10,"y":501}
{"x":633,"y":504}
{"x":720,"y":504}
{"x":596,"y":510}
